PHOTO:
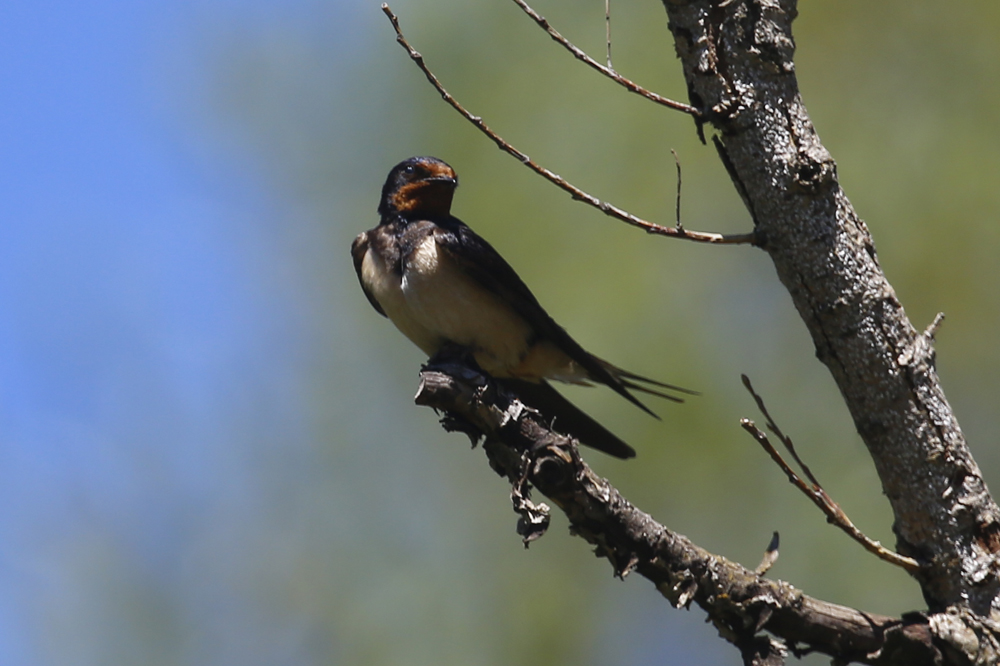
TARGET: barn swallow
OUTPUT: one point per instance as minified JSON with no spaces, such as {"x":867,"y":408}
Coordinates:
{"x":441,"y":284}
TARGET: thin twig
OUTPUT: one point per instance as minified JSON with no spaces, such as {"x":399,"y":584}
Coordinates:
{"x":607,"y":71}
{"x":933,"y":326}
{"x":575,"y":192}
{"x":607,"y":30}
{"x":770,"y":556}
{"x":816,"y":493}
{"x":677,"y":161}
{"x":773,"y":427}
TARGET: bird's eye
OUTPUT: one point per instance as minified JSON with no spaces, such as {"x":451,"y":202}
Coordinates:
{"x":409,"y":168}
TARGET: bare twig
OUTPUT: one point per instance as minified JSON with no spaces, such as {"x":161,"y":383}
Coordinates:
{"x":762,"y":651}
{"x":773,"y":427}
{"x":770,"y":556}
{"x":677,"y":161}
{"x":607,"y":71}
{"x":932,"y":328}
{"x":575,"y":192}
{"x":815,"y":492}
{"x":607,"y":30}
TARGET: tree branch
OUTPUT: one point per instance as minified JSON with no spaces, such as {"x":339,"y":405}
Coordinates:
{"x":521,"y":447}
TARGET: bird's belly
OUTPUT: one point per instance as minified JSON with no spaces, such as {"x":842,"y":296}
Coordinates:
{"x":435,"y":302}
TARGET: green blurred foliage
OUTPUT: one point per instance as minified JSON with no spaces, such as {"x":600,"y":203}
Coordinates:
{"x":398,"y":545}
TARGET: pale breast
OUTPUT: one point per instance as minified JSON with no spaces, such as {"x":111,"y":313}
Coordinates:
{"x":443,"y":300}
{"x":386,"y":287}
{"x":434,"y":301}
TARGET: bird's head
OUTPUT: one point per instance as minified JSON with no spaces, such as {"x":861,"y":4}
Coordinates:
{"x":418,"y":187}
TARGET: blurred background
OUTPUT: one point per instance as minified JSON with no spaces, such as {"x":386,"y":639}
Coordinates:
{"x":209,"y":452}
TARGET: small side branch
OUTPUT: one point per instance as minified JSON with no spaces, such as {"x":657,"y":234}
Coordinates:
{"x":770,"y":556}
{"x":932,"y":328}
{"x":763,"y":651}
{"x":815,"y":491}
{"x":579,"y":54}
{"x":607,"y":30}
{"x":677,"y":161}
{"x":559,"y":181}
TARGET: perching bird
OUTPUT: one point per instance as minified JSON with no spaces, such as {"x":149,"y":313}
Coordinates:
{"x":441,"y":283}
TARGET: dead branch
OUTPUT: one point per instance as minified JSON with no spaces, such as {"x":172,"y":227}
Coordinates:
{"x":770,"y":556}
{"x":522,"y":448}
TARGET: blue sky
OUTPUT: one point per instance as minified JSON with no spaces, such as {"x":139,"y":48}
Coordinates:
{"x":133,"y":307}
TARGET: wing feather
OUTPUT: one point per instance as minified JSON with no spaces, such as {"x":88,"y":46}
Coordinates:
{"x":479,"y":260}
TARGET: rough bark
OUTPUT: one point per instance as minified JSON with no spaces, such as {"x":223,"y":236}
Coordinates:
{"x":739,"y":602}
{"x":737,"y":60}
